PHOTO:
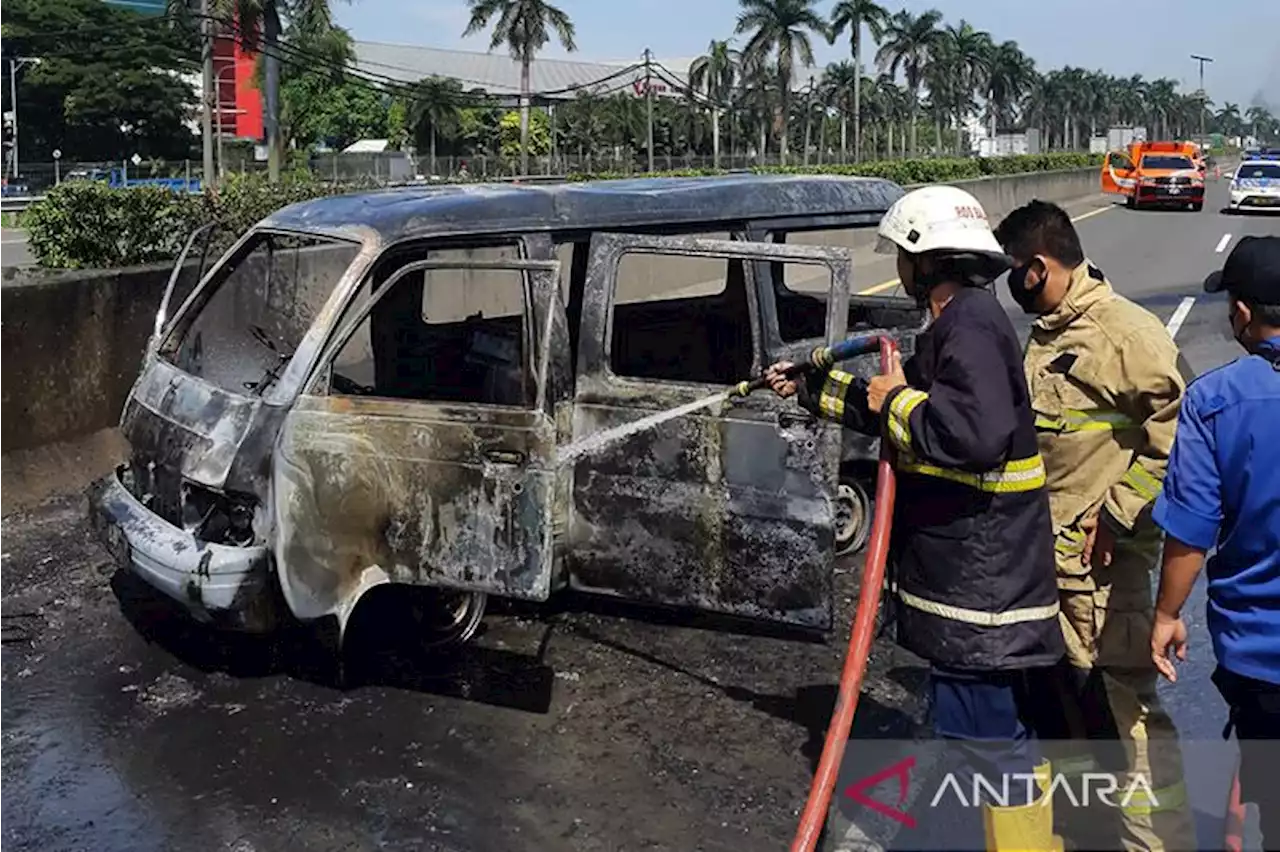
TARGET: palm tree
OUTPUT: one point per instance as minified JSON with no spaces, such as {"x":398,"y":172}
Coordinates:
{"x":781,"y":28}
{"x":1011,"y":75}
{"x":758,"y":99}
{"x":1260,"y":121}
{"x":1229,"y":120}
{"x":908,"y":43}
{"x":1160,"y":100}
{"x":714,"y":75}
{"x":853,"y":15}
{"x":434,"y":112}
{"x":524,"y":27}
{"x":972,"y":53}
{"x":841,"y":83}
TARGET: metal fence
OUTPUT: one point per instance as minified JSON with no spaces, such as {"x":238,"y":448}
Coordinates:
{"x":395,"y":167}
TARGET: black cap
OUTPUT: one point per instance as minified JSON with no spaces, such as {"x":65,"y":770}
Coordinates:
{"x":1252,"y":271}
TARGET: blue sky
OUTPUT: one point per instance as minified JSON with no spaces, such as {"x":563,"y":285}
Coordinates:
{"x":1153,"y":39}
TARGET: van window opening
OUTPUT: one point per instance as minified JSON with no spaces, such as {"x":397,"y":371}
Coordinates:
{"x":254,"y":314}
{"x":443,"y":335}
{"x":1152,"y":161}
{"x":681,"y":318}
{"x":801,"y":291}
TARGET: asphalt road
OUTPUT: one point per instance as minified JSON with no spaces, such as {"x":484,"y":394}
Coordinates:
{"x":576,"y":728}
{"x":14,"y":250}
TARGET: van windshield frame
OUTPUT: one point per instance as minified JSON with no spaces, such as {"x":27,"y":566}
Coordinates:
{"x":290,"y":315}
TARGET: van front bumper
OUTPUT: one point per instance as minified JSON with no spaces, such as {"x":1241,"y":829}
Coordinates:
{"x":219,"y":584}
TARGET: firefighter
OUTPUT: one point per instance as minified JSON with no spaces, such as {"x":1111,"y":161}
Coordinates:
{"x":972,"y":549}
{"x":1223,"y":491}
{"x":1105,"y":387}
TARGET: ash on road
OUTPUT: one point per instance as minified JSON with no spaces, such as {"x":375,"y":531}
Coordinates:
{"x":126,"y":727}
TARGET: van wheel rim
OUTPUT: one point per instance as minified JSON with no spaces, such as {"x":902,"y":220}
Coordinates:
{"x":448,"y":617}
{"x":852,"y":513}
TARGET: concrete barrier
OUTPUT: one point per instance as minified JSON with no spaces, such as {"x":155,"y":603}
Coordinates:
{"x":72,"y":344}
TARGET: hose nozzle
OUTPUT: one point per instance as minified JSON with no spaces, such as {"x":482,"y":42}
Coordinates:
{"x":821,"y":358}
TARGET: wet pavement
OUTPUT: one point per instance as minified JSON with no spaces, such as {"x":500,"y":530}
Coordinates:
{"x":128,"y":727}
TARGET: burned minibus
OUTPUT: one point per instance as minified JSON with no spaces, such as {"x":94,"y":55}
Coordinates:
{"x":379,"y":389}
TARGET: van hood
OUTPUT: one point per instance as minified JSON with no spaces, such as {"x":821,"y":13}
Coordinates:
{"x":186,"y":425}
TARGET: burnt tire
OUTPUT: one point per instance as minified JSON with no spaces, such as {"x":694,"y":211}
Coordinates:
{"x":853,"y":516}
{"x":445,"y":618}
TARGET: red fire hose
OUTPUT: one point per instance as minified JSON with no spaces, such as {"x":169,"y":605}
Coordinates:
{"x":855,"y":661}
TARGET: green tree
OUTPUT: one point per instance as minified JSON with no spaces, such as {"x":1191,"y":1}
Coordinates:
{"x":434,"y":113}
{"x":853,"y":15}
{"x":519,"y":139}
{"x":524,"y":26}
{"x":781,"y":29}
{"x":841,"y":82}
{"x":714,"y":75}
{"x":909,"y":42}
{"x":106,"y":85}
{"x":320,"y":102}
{"x":260,"y":25}
{"x":1010,"y":77}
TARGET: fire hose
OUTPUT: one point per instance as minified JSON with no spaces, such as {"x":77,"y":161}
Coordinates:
{"x":855,"y":662}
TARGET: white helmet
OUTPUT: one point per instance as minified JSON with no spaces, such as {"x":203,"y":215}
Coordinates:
{"x":938,"y":218}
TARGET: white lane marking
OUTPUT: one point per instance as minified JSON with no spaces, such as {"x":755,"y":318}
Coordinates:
{"x":1180,"y":316}
{"x":1222,"y":243}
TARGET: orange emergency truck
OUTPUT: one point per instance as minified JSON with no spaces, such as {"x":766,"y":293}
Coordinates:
{"x":1156,"y":173}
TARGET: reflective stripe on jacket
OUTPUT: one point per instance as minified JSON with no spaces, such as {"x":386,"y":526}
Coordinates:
{"x":972,"y":545}
{"x":1105,"y":386}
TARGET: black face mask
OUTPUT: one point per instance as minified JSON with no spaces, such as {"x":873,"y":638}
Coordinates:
{"x":1024,"y":296}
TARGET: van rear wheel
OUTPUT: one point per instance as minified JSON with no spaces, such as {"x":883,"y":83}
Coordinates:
{"x":853,"y":516}
{"x":445,"y":617}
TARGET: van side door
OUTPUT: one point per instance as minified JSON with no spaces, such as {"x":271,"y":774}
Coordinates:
{"x":728,"y":507}
{"x":422,"y":449}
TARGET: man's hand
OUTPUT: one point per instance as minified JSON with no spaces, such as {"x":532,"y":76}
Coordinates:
{"x":879,"y":388}
{"x":778,"y":381}
{"x":1099,"y":542}
{"x":1166,"y":632}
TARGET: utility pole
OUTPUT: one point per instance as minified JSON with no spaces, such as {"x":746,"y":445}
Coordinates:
{"x":207,"y":85}
{"x":14,"y":65}
{"x":808,"y":118}
{"x":648,"y":94}
{"x":1203,"y":99}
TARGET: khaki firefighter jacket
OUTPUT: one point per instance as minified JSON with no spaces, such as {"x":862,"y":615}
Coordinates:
{"x":1105,"y":386}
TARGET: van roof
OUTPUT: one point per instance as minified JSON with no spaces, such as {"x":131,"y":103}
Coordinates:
{"x":409,"y":212}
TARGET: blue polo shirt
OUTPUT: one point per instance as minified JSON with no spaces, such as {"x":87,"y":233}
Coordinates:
{"x":1222,"y":490}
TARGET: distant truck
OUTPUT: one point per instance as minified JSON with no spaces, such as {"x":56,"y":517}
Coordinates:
{"x":116,"y":178}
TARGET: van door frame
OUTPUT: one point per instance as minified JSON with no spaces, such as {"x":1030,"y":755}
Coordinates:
{"x":762,"y":547}
{"x":513,"y":485}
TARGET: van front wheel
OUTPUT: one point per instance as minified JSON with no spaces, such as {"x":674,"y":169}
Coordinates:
{"x":445,"y":617}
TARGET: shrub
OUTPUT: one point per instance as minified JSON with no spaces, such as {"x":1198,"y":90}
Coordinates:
{"x":82,"y":224}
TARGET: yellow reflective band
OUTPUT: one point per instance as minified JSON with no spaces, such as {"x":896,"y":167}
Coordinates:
{"x":1016,"y":476}
{"x":1169,"y":798}
{"x":900,"y":416}
{"x":1075,"y":765}
{"x":1069,"y":542}
{"x":1077,"y":420}
{"x":977,"y":616}
{"x":1139,"y":479}
{"x":831,"y":398}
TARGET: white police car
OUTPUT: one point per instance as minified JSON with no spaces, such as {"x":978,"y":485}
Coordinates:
{"x":1256,"y":183}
